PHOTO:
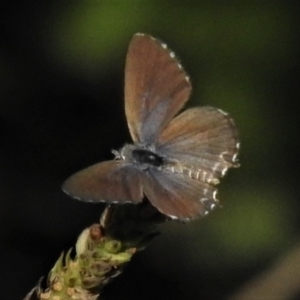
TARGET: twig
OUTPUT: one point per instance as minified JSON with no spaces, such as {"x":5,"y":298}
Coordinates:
{"x":102,"y":251}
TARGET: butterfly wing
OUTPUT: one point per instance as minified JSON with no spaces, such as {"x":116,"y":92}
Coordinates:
{"x":156,"y":87}
{"x":203,"y":140}
{"x":109,"y":181}
{"x":178,"y":196}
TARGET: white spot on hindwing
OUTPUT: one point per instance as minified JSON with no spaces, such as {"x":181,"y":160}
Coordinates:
{"x":209,"y":204}
{"x":224,"y":171}
{"x":214,"y":195}
{"x":234,"y":158}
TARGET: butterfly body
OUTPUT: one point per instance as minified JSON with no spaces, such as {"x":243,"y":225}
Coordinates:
{"x":176,"y":160}
{"x":145,"y":157}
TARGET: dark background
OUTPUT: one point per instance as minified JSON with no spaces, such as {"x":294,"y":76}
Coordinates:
{"x":61,"y":109}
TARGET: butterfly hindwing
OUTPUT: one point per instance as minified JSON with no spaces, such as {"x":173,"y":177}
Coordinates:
{"x":203,"y":139}
{"x":178,"y":196}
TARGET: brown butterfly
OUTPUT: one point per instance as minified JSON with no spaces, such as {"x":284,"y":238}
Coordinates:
{"x":175,"y":161}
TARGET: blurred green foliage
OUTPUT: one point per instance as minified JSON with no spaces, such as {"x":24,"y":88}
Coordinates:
{"x":239,"y":55}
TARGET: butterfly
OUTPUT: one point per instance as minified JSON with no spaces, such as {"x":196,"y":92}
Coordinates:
{"x":176,"y":160}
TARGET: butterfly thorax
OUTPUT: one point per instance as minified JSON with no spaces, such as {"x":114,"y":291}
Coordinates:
{"x":143,"y":157}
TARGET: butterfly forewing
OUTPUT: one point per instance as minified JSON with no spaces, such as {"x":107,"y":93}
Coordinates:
{"x":178,"y":196}
{"x":156,"y":87}
{"x":110,"y":181}
{"x":203,"y":139}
